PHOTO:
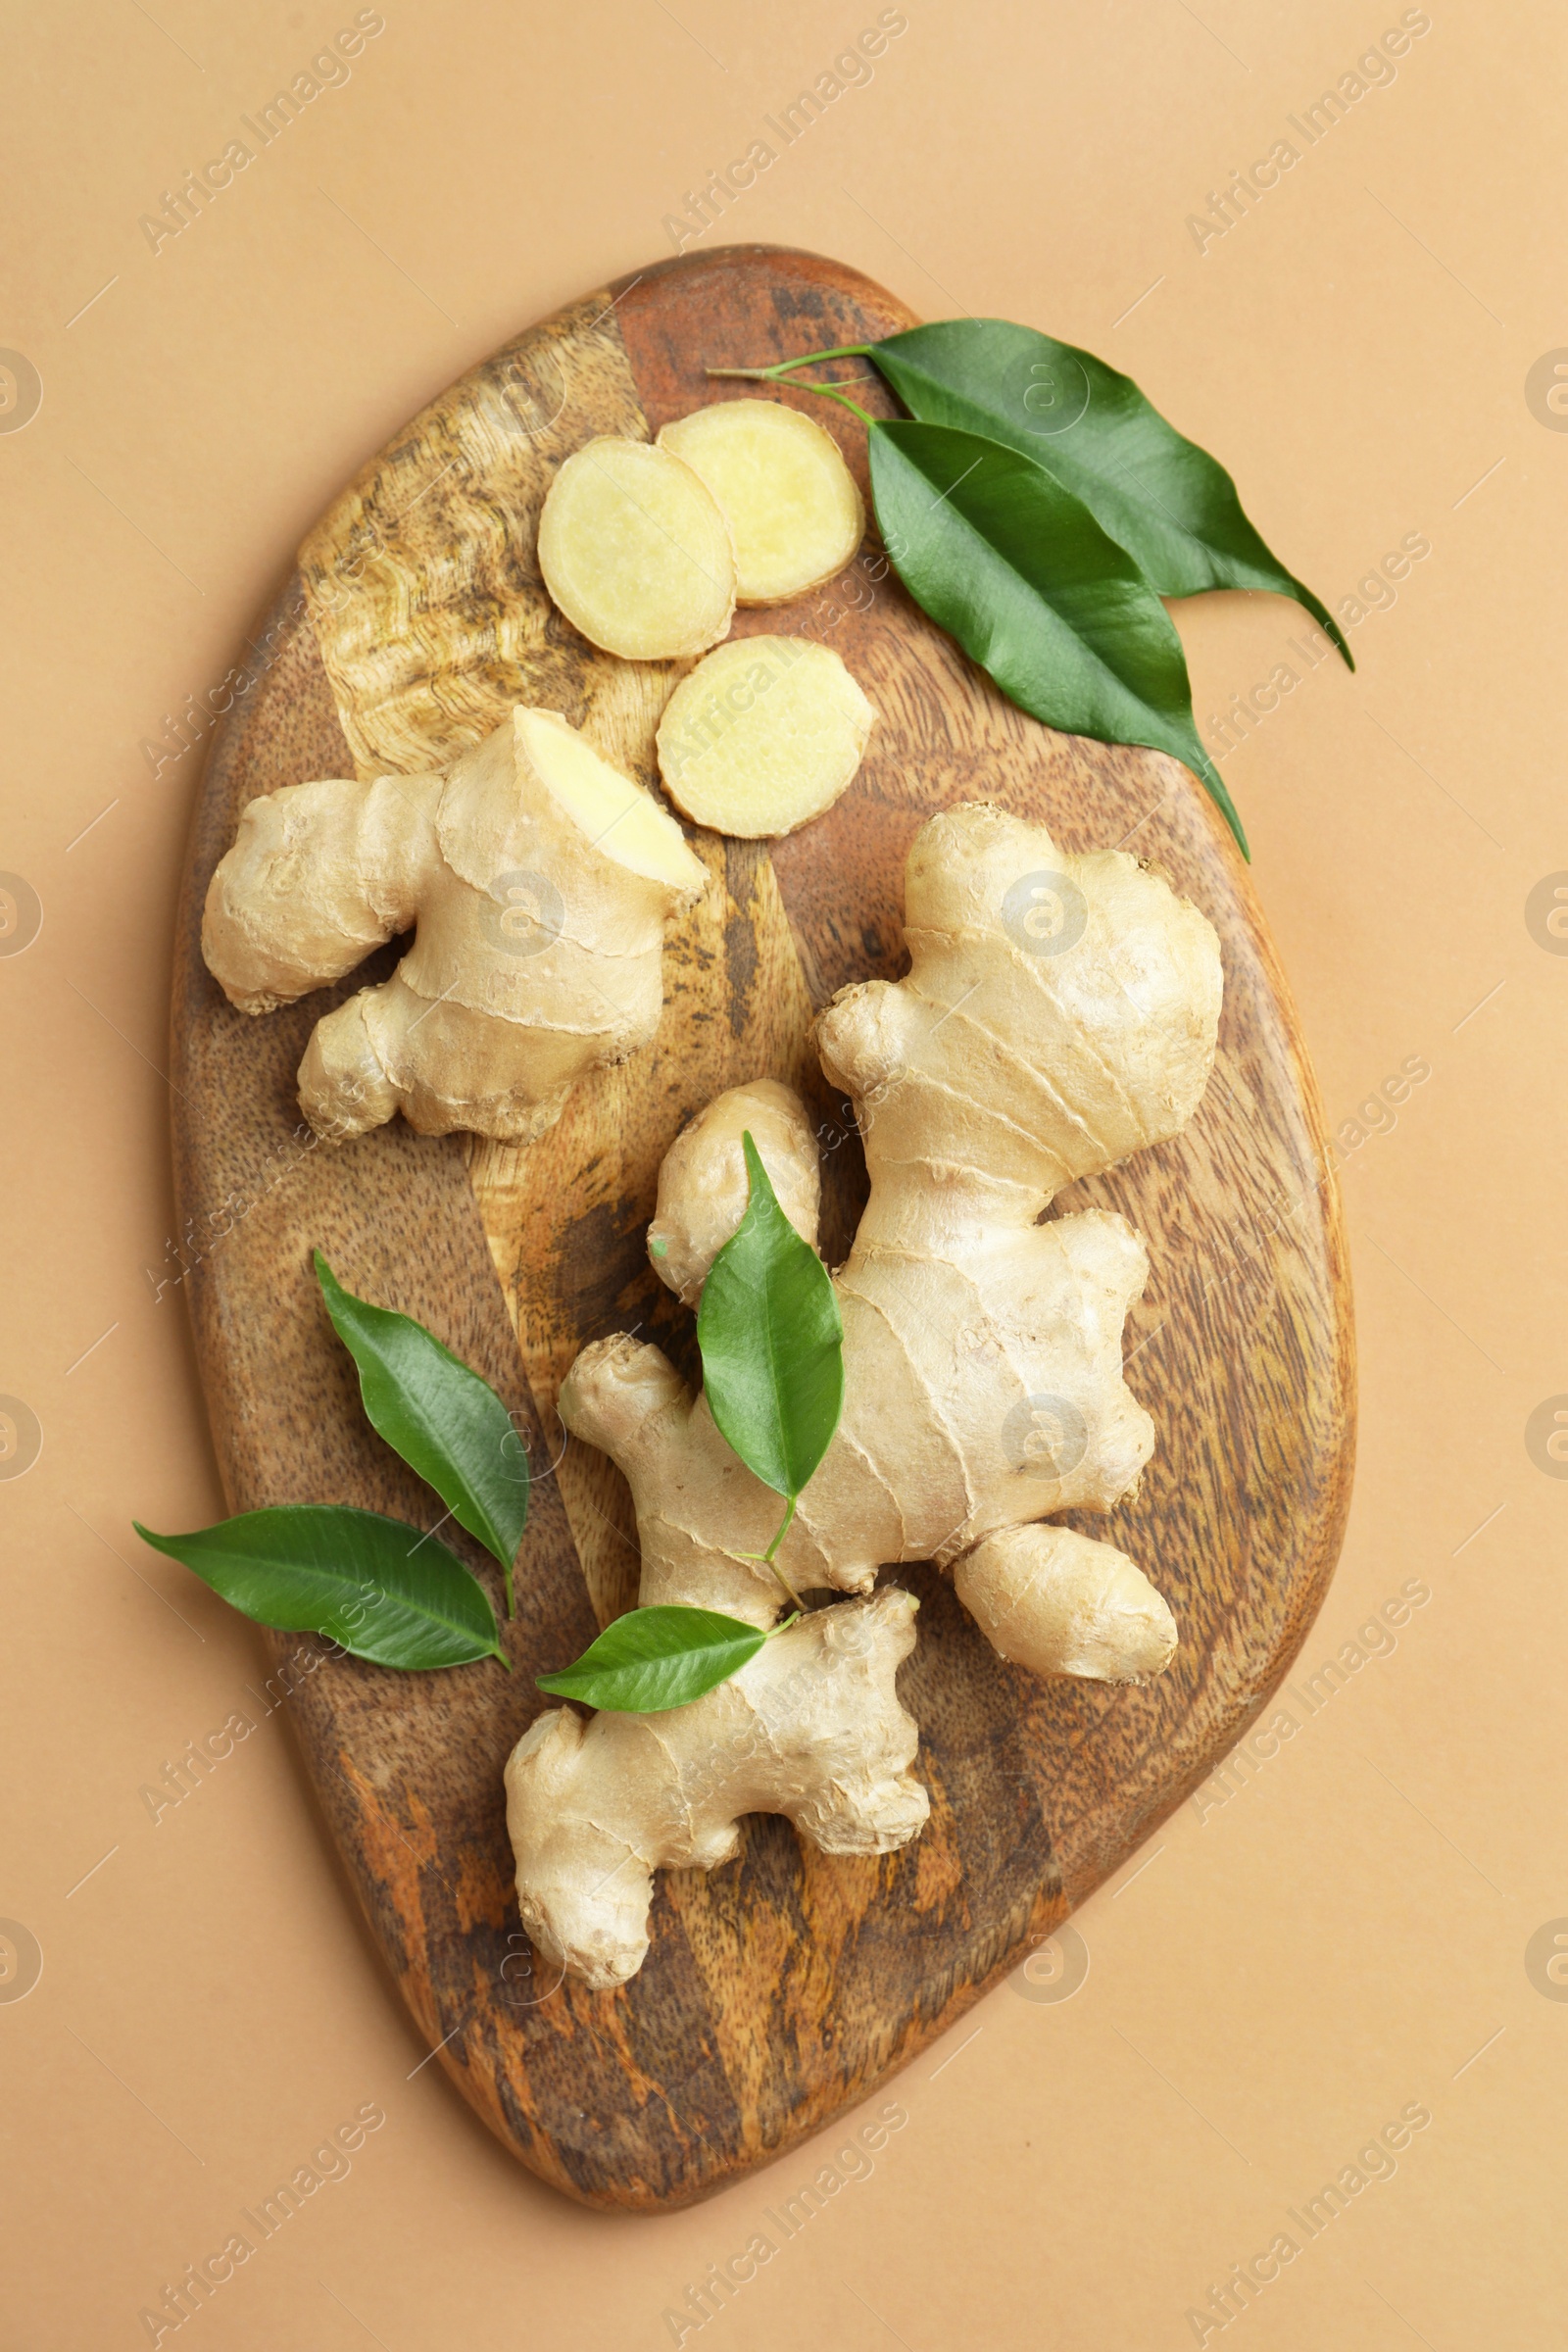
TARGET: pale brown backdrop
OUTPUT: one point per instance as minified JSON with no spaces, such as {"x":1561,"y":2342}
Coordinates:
{"x":1362,"y":1918}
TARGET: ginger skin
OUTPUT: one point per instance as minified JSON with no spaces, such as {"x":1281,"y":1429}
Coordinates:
{"x":541,"y":880}
{"x":1060,"y":1012}
{"x":810,"y":1728}
{"x":983,"y":1385}
{"x":702,"y":1182}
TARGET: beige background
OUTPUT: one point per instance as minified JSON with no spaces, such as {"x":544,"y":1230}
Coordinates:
{"x":1339,"y":1931}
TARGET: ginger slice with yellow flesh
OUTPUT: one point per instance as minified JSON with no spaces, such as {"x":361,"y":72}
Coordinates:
{"x":762,"y":736}
{"x":780,"y":480}
{"x":635,"y":551}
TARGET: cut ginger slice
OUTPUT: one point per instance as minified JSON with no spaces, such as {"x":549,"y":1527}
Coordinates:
{"x":617,"y":815}
{"x":793,"y":509}
{"x":635,"y":551}
{"x":762,"y":736}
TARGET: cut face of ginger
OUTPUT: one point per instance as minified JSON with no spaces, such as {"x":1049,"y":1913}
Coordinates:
{"x":763,"y":735}
{"x":618,"y":817}
{"x":794,"y":511}
{"x":538,"y":881}
{"x":636,"y":553}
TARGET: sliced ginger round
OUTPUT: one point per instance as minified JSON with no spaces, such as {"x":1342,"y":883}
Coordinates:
{"x":794,"y":511}
{"x":636,"y":553}
{"x":762,"y":736}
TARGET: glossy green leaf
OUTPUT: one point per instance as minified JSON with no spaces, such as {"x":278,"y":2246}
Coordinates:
{"x":380,"y":1588}
{"x":1168,"y":503}
{"x":1008,"y":559}
{"x":772,"y":1343}
{"x":446,"y":1422}
{"x":656,"y":1659}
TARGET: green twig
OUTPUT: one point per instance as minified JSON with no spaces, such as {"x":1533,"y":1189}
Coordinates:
{"x":784,"y":1529}
{"x":828,"y":392}
{"x":784,"y":367}
{"x":768,"y":1561}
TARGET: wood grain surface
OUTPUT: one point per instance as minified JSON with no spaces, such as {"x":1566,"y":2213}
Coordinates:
{"x":787,"y":1985}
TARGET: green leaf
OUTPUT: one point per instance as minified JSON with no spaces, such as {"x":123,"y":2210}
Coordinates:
{"x":772,"y":1343}
{"x":446,"y":1422}
{"x":656,"y":1659}
{"x":382,"y":1590}
{"x":1168,"y":503}
{"x":1004,"y":557}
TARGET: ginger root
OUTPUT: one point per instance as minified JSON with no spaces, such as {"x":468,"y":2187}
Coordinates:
{"x":781,"y":484}
{"x":811,"y":1728}
{"x":763,"y":735}
{"x":636,"y":553}
{"x":1061,"y":1011}
{"x":1060,"y":1603}
{"x":540,"y":879}
{"x":703,"y":1186}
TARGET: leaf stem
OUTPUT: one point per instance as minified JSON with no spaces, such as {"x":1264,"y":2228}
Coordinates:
{"x":830,"y":392}
{"x":783,"y":1624}
{"x":783,"y":367}
{"x":784,"y":1529}
{"x":766,"y":1560}
{"x":789,"y":1589}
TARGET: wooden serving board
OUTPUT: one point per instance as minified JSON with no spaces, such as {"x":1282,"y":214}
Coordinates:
{"x":788,"y":1985}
